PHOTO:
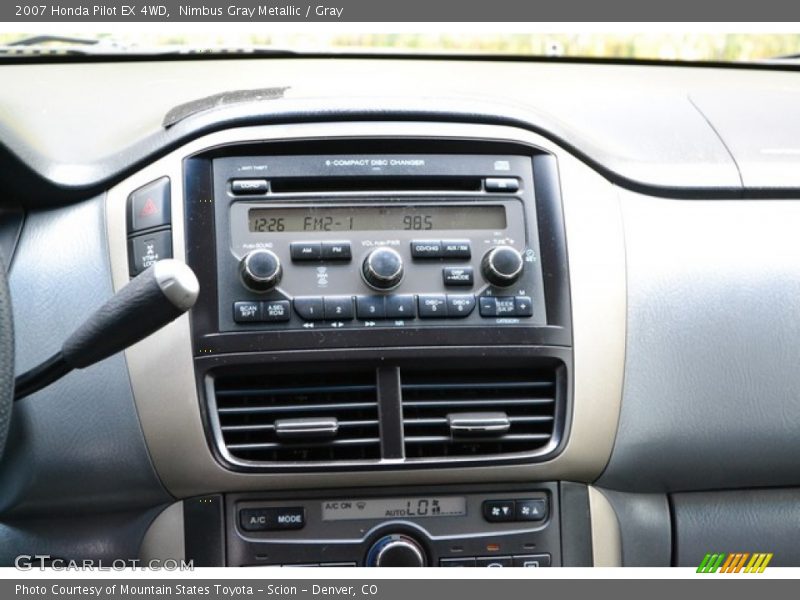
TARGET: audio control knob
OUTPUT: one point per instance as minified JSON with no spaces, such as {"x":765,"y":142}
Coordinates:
{"x":383,"y":269}
{"x":260,"y":270}
{"x":396,"y":551}
{"x":502,"y":265}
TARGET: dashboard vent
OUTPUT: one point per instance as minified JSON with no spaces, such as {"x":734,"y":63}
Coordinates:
{"x":299,"y":418}
{"x":478,"y":412}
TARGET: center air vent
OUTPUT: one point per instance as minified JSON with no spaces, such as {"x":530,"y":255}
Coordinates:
{"x":299,"y":418}
{"x":471,"y":413}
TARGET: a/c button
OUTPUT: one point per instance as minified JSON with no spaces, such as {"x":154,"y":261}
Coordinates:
{"x":272,"y":519}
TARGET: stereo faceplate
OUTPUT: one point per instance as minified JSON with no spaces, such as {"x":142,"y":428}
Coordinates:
{"x":328,"y":243}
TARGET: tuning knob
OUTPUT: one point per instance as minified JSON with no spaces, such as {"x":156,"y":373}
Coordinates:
{"x":396,"y":551}
{"x":383,"y":268}
{"x":502,"y":265}
{"x":260,"y":270}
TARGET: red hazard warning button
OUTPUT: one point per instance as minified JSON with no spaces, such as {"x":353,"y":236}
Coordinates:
{"x":149,"y":206}
{"x":148,"y":209}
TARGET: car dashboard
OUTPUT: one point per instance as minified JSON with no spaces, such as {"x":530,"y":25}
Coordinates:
{"x":452,"y":312}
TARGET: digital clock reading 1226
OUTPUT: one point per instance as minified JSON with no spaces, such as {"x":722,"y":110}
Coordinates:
{"x":376,"y":218}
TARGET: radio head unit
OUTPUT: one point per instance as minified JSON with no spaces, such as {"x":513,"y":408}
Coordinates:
{"x":376,"y":241}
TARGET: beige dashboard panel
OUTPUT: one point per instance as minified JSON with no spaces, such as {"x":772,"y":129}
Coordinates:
{"x":161,"y":367}
{"x":606,"y":537}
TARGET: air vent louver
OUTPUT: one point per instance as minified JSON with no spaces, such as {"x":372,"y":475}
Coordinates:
{"x":299,"y":418}
{"x":470,"y":413}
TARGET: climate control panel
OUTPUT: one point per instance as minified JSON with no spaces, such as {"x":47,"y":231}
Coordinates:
{"x":434,"y":527}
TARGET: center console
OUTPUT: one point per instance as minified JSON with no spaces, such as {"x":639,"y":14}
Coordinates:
{"x":454,"y":246}
{"x":379,"y":369}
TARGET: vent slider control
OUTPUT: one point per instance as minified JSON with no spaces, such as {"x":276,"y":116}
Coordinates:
{"x":478,"y":424}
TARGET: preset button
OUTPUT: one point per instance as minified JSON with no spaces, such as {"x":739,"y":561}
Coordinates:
{"x":401,"y":307}
{"x":338,"y":308}
{"x":310,"y":308}
{"x":432,"y":306}
{"x":460,"y":305}
{"x":370,"y":307}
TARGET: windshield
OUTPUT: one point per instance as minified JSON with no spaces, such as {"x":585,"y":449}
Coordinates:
{"x":717,"y":47}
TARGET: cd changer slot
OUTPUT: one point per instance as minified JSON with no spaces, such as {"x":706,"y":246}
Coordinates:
{"x":295,"y":185}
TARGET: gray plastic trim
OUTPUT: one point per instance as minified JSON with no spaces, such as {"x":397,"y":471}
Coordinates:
{"x":711,"y":376}
{"x":162,"y":370}
{"x":75,"y":447}
{"x":766,"y":520}
{"x":645,"y":528}
{"x":164,"y":538}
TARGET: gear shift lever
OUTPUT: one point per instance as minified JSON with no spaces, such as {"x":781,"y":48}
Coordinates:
{"x":157,"y":296}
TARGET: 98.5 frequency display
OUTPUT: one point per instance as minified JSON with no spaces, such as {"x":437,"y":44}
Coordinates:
{"x":377,"y":218}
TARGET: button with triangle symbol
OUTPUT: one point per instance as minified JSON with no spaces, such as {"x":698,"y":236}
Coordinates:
{"x":496,"y":511}
{"x":531,"y":510}
{"x":149,"y":206}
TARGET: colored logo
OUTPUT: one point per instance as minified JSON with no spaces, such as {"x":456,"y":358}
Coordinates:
{"x":735,"y":562}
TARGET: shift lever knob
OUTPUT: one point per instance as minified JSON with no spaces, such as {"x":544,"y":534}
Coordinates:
{"x":157,"y":296}
{"x":154,"y":298}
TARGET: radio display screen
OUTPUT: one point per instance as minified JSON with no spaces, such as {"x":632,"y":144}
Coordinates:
{"x":385,"y":508}
{"x":377,"y":218}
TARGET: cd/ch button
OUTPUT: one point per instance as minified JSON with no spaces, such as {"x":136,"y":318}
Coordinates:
{"x":426,"y":249}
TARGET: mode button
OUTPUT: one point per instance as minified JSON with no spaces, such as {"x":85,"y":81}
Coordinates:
{"x":272,"y":519}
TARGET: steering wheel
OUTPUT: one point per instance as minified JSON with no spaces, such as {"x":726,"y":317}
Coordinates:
{"x":6,"y":357}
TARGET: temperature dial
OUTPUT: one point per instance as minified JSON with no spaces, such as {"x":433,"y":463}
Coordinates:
{"x":383,"y":269}
{"x":260,"y":270}
{"x":396,"y":550}
{"x":502,"y":266}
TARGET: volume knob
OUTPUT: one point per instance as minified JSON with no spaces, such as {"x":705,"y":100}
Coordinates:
{"x":260,"y":270}
{"x":502,"y":265}
{"x":383,"y":268}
